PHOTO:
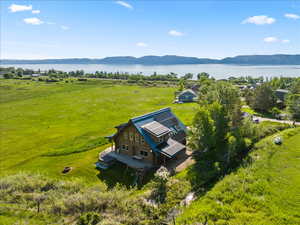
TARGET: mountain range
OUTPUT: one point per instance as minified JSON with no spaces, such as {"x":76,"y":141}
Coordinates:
{"x":278,"y":59}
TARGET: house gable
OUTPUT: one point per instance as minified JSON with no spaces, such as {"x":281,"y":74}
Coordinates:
{"x":130,"y":142}
{"x":187,"y":95}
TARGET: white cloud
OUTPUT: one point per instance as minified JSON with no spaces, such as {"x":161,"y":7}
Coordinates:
{"x":35,"y":11}
{"x":141,"y":44}
{"x":125,"y":4}
{"x":292,"y":16}
{"x":275,"y":40}
{"x":33,"y":21}
{"x":64,"y":27}
{"x":259,"y":20}
{"x":50,"y":23}
{"x":175,"y":33}
{"x":18,"y":8}
{"x":271,"y":39}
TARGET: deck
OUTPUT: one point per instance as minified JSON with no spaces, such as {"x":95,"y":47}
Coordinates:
{"x":125,"y":159}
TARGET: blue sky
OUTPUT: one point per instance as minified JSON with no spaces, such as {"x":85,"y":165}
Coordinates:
{"x":96,"y":29}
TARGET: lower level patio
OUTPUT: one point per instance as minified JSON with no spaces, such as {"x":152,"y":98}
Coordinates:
{"x":131,"y":162}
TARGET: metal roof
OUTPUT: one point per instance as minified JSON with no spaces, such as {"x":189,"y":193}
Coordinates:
{"x":188,"y":91}
{"x":171,"y":148}
{"x":162,"y":116}
{"x":282,"y":90}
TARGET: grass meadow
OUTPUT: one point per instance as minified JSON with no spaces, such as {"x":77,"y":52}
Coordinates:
{"x":47,"y":126}
{"x":263,"y":191}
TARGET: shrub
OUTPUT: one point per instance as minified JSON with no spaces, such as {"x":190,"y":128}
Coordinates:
{"x":89,"y":218}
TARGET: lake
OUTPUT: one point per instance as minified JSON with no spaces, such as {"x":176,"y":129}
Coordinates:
{"x":218,"y":71}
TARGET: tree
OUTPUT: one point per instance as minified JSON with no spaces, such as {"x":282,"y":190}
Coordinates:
{"x":293,"y":105}
{"x":263,"y":98}
{"x":202,"y":132}
{"x":202,"y":76}
{"x":161,"y":177}
{"x":188,"y":76}
{"x":295,"y":87}
{"x":181,"y":84}
{"x":275,"y":111}
{"x":8,"y":76}
{"x":227,"y":96}
{"x":216,"y":133}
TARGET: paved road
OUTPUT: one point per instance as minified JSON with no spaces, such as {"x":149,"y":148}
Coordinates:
{"x":278,"y":121}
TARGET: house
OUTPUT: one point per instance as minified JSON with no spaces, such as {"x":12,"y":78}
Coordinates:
{"x":149,"y":140}
{"x":187,"y":95}
{"x":281,"y":94}
{"x":35,"y":75}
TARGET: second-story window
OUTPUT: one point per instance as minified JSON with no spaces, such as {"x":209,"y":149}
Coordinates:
{"x":125,"y":135}
{"x":160,"y":139}
{"x":131,"y":136}
{"x":137,"y":137}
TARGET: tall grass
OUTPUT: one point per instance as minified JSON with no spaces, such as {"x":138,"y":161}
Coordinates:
{"x":37,"y":199}
{"x":264,"y":191}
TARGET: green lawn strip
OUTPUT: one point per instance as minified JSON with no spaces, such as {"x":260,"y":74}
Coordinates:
{"x":263,"y":192}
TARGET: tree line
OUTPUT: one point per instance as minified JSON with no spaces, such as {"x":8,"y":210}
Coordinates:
{"x":221,"y":134}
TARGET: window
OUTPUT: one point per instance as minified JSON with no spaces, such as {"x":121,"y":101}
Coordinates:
{"x":161,"y":139}
{"x":131,"y":136}
{"x":124,"y":147}
{"x":142,"y":140}
{"x":137,"y":137}
{"x":143,"y":153}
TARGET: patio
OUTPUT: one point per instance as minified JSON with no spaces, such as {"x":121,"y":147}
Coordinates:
{"x":128,"y":160}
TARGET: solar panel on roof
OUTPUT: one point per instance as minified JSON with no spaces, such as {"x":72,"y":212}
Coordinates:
{"x":156,"y":128}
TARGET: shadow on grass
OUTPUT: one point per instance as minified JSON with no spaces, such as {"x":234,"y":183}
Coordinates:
{"x":205,"y":173}
{"x":120,"y":174}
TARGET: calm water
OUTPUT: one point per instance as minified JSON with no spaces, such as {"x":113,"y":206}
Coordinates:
{"x":218,"y":71}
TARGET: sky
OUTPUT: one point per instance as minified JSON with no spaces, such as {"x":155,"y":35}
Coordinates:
{"x":41,"y":29}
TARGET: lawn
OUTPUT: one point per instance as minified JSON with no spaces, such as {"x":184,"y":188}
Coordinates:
{"x":263,"y":191}
{"x":47,"y":126}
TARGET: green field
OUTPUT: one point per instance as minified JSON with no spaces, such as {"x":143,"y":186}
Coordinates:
{"x":47,"y":126}
{"x":264,"y":191}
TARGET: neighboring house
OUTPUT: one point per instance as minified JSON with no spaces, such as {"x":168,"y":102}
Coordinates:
{"x":149,"y":140}
{"x":281,"y":94}
{"x":186,"y":96}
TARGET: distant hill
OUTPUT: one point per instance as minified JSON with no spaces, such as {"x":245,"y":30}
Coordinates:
{"x":279,"y":59}
{"x":263,"y":60}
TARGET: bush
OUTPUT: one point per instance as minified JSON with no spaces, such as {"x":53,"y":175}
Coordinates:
{"x":89,"y":218}
{"x":275,"y":111}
